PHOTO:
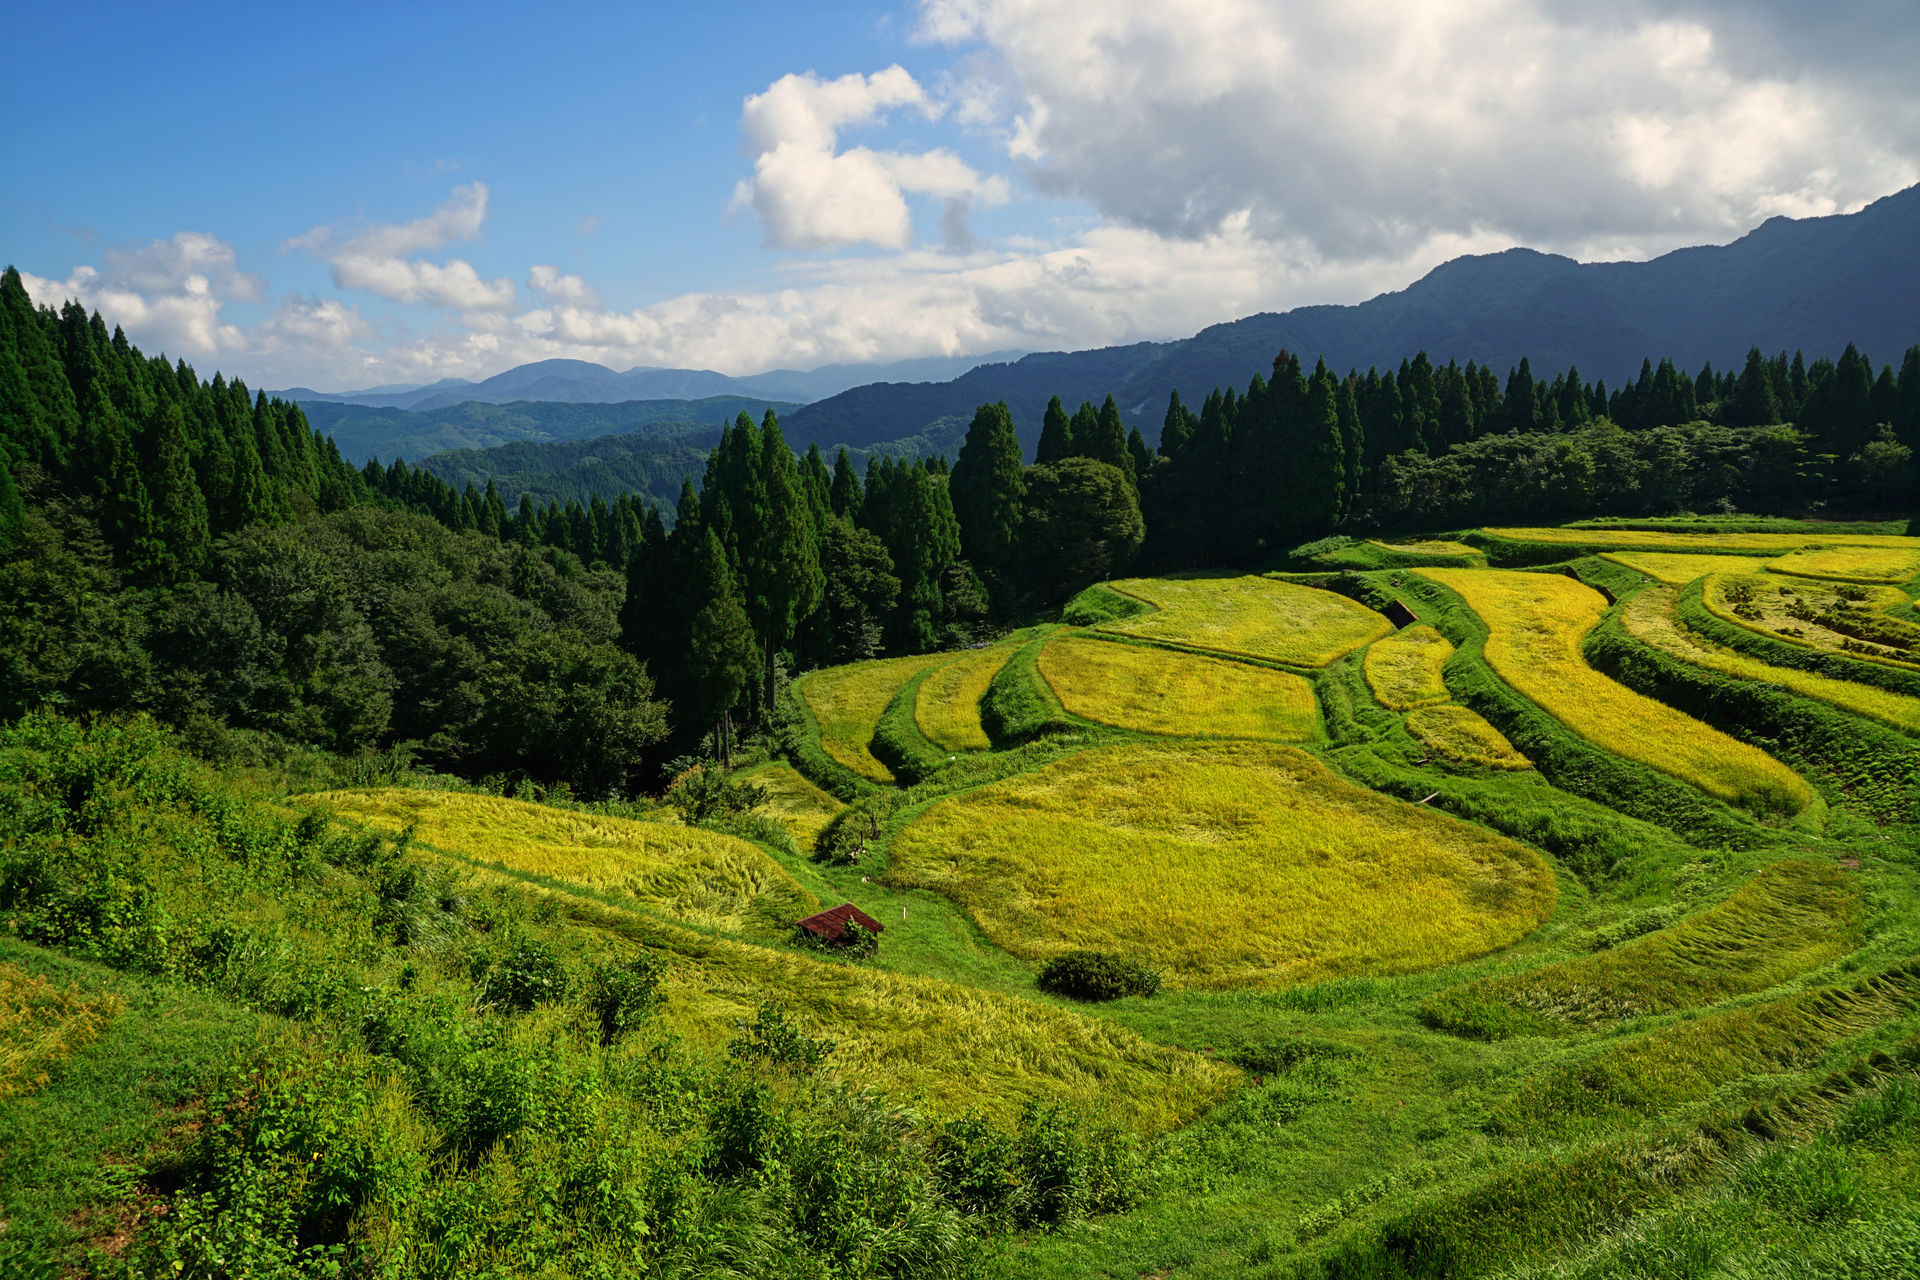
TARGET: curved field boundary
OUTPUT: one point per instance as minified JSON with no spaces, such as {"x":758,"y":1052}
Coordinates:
{"x":1461,"y":734}
{"x":1165,"y":691}
{"x":1872,"y":565}
{"x":1767,"y":603}
{"x":847,"y":703}
{"x":947,"y":704}
{"x":1249,"y":616}
{"x":898,"y":742}
{"x":1677,"y":568}
{"x":1429,"y":547}
{"x":1403,"y":670}
{"x":800,"y":743}
{"x":1691,"y":607}
{"x":1228,"y":863}
{"x":701,"y":877}
{"x":792,"y":801}
{"x":1786,"y":920}
{"x":1020,"y":706}
{"x":1535,"y":625}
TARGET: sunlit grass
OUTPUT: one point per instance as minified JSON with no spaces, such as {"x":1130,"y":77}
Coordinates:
{"x":1166,"y":691}
{"x":1649,"y":618}
{"x":1225,"y":864}
{"x":848,"y":701}
{"x":1661,"y":540}
{"x":1777,"y":607}
{"x":1433,"y":547}
{"x":1403,"y":670}
{"x":1851,"y":564}
{"x":1535,"y":622}
{"x":1788,"y":919}
{"x":1250,"y":615}
{"x":1460,"y":734}
{"x":792,"y":801}
{"x":1678,"y":568}
{"x":947,"y":704}
{"x":41,"y":1023}
{"x":699,"y":876}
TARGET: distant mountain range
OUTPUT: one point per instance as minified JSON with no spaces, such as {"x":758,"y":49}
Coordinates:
{"x":582,"y":382}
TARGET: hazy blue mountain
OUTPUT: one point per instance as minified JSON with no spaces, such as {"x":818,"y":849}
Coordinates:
{"x":365,"y":431}
{"x":1810,"y":284}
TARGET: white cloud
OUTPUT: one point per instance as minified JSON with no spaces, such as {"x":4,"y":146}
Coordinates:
{"x":558,"y":288}
{"x":323,"y":322}
{"x":809,"y":195}
{"x":376,"y":258}
{"x":167,"y":294}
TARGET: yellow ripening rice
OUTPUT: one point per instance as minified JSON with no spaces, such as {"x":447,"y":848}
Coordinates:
{"x":1851,"y":564}
{"x":1649,"y":618}
{"x":1459,"y":734}
{"x":1678,"y":568}
{"x":792,"y":801}
{"x":1662,"y":540}
{"x":848,"y":702}
{"x":1433,"y":547}
{"x":699,"y":876}
{"x":40,"y":1024}
{"x":947,"y":704}
{"x":1130,"y":686}
{"x":1403,"y":670}
{"x":1831,"y":617}
{"x":1226,"y":864}
{"x":1535,"y":622}
{"x":1250,"y":616}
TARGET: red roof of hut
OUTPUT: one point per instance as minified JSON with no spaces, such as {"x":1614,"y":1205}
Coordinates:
{"x":836,"y":923}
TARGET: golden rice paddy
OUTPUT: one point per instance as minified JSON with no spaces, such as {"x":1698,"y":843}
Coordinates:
{"x":848,"y":702}
{"x":1433,"y":547}
{"x":1225,"y":864}
{"x":947,"y":704}
{"x":1459,"y":734}
{"x":1403,"y":670}
{"x":1166,"y":691}
{"x":1663,"y":540}
{"x":698,"y":876}
{"x":796,"y":804}
{"x":1678,"y":568}
{"x":1851,"y":564}
{"x":1649,"y":618}
{"x":1535,"y":622}
{"x":1790,"y":608}
{"x":1250,"y":616}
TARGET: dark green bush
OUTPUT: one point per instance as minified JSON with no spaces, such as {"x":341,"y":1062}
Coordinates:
{"x":1095,"y":975}
{"x":624,"y":994}
{"x":529,"y":974}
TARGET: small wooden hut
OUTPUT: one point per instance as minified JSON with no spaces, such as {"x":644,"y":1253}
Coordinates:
{"x":836,"y":925}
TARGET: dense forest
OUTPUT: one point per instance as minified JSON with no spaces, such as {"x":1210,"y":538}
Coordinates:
{"x":183,"y":547}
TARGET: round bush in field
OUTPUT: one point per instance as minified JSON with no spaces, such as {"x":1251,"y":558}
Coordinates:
{"x":1222,"y":864}
{"x":1095,"y":975}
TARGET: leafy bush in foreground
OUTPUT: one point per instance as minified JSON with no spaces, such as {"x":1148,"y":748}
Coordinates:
{"x":1095,"y":975}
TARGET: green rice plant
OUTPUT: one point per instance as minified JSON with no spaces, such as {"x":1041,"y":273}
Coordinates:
{"x":947,"y":706}
{"x":1152,"y":690}
{"x":1459,"y":734}
{"x":792,"y":801}
{"x":1535,"y":624}
{"x":848,"y":702}
{"x":699,"y":876}
{"x":1877,"y":564}
{"x":1224,"y":864}
{"x":1249,"y":616}
{"x":1677,"y":568}
{"x":1403,"y":670}
{"x":1685,"y":1062}
{"x":41,"y":1023}
{"x":1787,"y":919}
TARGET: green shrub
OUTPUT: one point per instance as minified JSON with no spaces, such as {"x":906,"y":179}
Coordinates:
{"x":770,"y":1037}
{"x":529,"y":974}
{"x":1094,"y":975}
{"x":624,"y":994}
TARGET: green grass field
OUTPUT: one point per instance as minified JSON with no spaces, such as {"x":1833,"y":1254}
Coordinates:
{"x":1535,"y":623}
{"x":1226,"y":864}
{"x":848,"y":702}
{"x":1168,"y":692}
{"x":1249,"y":616}
{"x":947,"y":705}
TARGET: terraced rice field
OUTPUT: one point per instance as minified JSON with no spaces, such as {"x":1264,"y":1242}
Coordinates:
{"x":1458,"y":733}
{"x":1786,"y":920}
{"x":1790,"y":609}
{"x":1649,"y":618}
{"x":796,"y":804}
{"x":1227,"y":864}
{"x":947,"y":704}
{"x":1403,"y":670}
{"x":699,"y":876}
{"x":1433,"y":547}
{"x":1851,"y":564}
{"x":1661,"y":540}
{"x":1249,"y":616}
{"x":1535,"y":623}
{"x":848,"y":702}
{"x":1130,"y":686}
{"x":1677,"y":569}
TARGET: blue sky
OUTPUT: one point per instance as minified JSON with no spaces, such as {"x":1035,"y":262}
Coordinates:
{"x":360,"y":194}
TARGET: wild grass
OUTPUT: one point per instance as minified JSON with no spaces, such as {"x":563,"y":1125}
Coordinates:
{"x":1249,"y":616}
{"x":848,"y":702}
{"x":792,"y":801}
{"x":1663,"y":540}
{"x":1429,"y":547}
{"x":1463,"y":735}
{"x":1852,"y":564}
{"x":698,"y":876}
{"x":1535,"y":623}
{"x":1677,"y":568}
{"x":1829,"y":617}
{"x":1650,"y":618}
{"x":1222,"y":864}
{"x":1131,"y":686}
{"x":947,"y":706}
{"x":41,"y":1023}
{"x":1403,"y":670}
{"x":1784,"y":921}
